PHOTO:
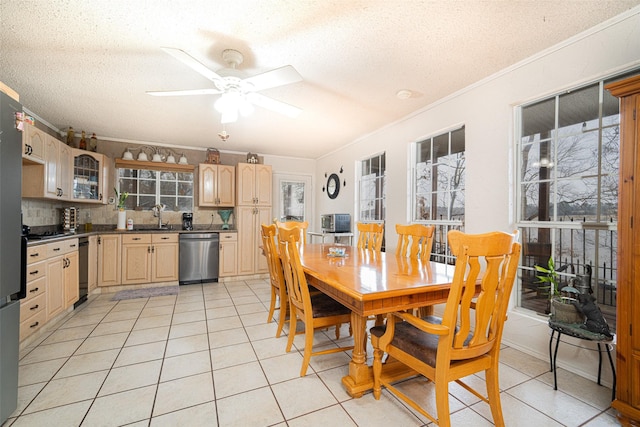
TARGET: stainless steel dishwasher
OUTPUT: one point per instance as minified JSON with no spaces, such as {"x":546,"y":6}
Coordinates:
{"x":199,"y":253}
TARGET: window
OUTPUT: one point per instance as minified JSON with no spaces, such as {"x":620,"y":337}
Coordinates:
{"x":148,"y":188}
{"x":372,"y":189}
{"x":568,"y":161}
{"x":292,"y":200}
{"x":438,"y":190}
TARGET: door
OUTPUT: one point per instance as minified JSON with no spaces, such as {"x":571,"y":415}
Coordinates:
{"x":293,"y":197}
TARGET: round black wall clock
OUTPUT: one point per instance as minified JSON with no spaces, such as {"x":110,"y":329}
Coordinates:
{"x":333,"y":186}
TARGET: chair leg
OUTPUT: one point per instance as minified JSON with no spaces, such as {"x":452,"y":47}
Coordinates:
{"x":308,"y":348}
{"x":442,"y":401}
{"x":377,"y":372}
{"x":293,"y":323}
{"x":283,"y":315}
{"x":493,"y":393}
{"x":272,"y":306}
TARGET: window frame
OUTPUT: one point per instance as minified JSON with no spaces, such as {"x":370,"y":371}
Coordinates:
{"x":133,"y":202}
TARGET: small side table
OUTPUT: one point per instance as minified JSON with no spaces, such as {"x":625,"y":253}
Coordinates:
{"x":574,"y":330}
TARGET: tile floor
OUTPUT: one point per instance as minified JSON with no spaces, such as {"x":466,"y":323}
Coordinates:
{"x":206,"y":357}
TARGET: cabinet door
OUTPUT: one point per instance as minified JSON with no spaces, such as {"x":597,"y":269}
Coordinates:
{"x":87,"y":176}
{"x":51,"y":154}
{"x":136,"y":263}
{"x":71,"y":279}
{"x":109,"y":260}
{"x":226,"y":186}
{"x":65,"y":171}
{"x":92,"y":267}
{"x":245,"y":222}
{"x":33,"y":144}
{"x":263,"y":185}
{"x":228,"y":254}
{"x":245,"y":184}
{"x":55,"y":286}
{"x":207,"y":183}
{"x":164,"y":262}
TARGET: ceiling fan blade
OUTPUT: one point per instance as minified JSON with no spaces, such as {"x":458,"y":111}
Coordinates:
{"x":184,"y":92}
{"x":278,"y":77}
{"x":274,"y":105}
{"x":191,"y":62}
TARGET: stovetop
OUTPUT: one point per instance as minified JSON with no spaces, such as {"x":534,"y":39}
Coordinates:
{"x":46,"y":235}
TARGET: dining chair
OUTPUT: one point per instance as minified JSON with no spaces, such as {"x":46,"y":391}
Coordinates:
{"x":466,"y":339}
{"x":302,"y":225}
{"x":370,"y":235}
{"x":314,"y":310}
{"x":415,"y":241}
{"x":276,"y":276}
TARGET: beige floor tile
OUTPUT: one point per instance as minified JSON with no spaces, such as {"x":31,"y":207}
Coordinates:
{"x":103,"y":342}
{"x":238,"y":379}
{"x":581,"y":388}
{"x":89,"y":320}
{"x":51,"y":351}
{"x":523,"y":363}
{"x":190,"y":299}
{"x":161,"y":301}
{"x":188,"y":329}
{"x":144,"y":336}
{"x":68,"y":415}
{"x":185,"y":365}
{"x":293,"y":396}
{"x":113,"y":327}
{"x":516,"y":413}
{"x":67,"y":390}
{"x":152,"y":322}
{"x":256,"y":307}
{"x":131,"y":376}
{"x":603,"y":420}
{"x":333,"y":415}
{"x":386,"y":412}
{"x":26,"y":394}
{"x":220,"y":312}
{"x":329,"y":361}
{"x":140,"y":353}
{"x":232,"y":355}
{"x":188,"y":316}
{"x":245,"y":299}
{"x":333,"y":379}
{"x":157,"y":311}
{"x":262,"y":331}
{"x":224,"y":323}
{"x":218,"y":302}
{"x":232,"y":411}
{"x":90,"y":362}
{"x":186,"y":345}
{"x":183,"y":307}
{"x":115,"y":316}
{"x":69,"y":334}
{"x":270,"y":347}
{"x":121,"y":408}
{"x":251,"y":319}
{"x":199,"y":415}
{"x":182,"y":393}
{"x":34,"y":373}
{"x":282,"y":368}
{"x":227,"y":337}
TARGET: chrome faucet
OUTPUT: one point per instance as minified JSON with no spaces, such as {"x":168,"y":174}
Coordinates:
{"x":157,"y":211}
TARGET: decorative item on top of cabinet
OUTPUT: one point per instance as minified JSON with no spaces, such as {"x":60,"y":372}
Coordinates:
{"x":213,"y":156}
{"x":216,"y":185}
{"x":252,"y":158}
{"x":627,"y":401}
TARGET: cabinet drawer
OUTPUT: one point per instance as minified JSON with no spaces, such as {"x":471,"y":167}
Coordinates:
{"x":31,"y":325}
{"x":34,"y":271}
{"x":136,"y":238}
{"x":164,"y":238}
{"x":36,"y":253}
{"x":228,"y":237}
{"x":31,"y":307}
{"x":61,"y":248}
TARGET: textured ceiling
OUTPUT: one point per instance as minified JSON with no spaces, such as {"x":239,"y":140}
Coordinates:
{"x":87,"y":64}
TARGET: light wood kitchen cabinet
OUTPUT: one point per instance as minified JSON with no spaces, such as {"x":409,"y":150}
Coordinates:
{"x":33,"y":144}
{"x":149,"y":258}
{"x":216,"y":185}
{"x":248,"y":221}
{"x":92,"y":267}
{"x":62,"y":276}
{"x":71,"y":279}
{"x":253,"y":184}
{"x":33,"y":314}
{"x":228,"y":254}
{"x":627,"y":401}
{"x":89,"y":176}
{"x":109,"y":260}
{"x":53,"y":178}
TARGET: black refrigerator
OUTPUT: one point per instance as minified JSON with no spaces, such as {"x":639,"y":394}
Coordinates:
{"x":12,"y":248}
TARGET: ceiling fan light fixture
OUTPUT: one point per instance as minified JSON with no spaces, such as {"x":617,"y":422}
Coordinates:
{"x":404,"y":94}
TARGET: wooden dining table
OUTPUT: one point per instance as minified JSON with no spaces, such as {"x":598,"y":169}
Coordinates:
{"x":373,"y":283}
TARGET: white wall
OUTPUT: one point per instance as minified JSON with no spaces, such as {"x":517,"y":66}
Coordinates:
{"x":487,"y":110}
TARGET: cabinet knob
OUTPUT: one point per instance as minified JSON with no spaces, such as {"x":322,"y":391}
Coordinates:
{"x":34,"y":325}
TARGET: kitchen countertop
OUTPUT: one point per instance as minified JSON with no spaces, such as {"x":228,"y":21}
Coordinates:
{"x":144,"y":230}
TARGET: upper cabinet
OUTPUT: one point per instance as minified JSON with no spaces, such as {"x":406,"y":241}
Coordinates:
{"x":89,"y":176}
{"x":216,"y":185}
{"x":33,"y":144}
{"x":253,"y":184}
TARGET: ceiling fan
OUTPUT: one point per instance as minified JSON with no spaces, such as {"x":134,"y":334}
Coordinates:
{"x":239,"y":95}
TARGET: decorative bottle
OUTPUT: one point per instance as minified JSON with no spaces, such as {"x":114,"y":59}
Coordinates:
{"x":83,"y":141}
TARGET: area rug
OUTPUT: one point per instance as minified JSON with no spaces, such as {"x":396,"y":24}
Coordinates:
{"x":146,"y":293}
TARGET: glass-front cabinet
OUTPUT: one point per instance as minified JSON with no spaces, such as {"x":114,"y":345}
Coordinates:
{"x":88,"y":176}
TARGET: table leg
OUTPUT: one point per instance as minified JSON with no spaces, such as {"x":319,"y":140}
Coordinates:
{"x":555,"y":358}
{"x":360,"y":378}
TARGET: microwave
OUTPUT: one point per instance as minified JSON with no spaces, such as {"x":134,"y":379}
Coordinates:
{"x":336,"y":223}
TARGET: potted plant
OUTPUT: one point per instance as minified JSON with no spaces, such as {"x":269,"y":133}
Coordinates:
{"x":560,"y":307}
{"x":122,"y":215}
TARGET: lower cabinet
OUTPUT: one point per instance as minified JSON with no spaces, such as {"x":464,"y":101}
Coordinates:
{"x":228,"y":254}
{"x":165,"y":260}
{"x":109,"y":259}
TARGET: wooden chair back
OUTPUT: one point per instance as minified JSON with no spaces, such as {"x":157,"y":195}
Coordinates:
{"x":276,"y":275}
{"x":370,"y":235}
{"x":302,"y":225}
{"x":467,"y":338}
{"x":415,"y":241}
